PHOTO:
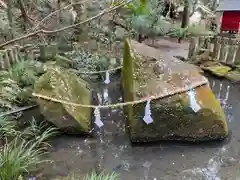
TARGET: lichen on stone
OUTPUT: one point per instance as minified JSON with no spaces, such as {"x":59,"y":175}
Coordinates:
{"x":65,"y":85}
{"x":217,"y":69}
{"x":173,"y":116}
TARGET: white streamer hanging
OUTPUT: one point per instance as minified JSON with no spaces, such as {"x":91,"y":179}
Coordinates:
{"x":97,"y":115}
{"x":147,"y":116}
{"x":193,"y":102}
{"x":107,"y":80}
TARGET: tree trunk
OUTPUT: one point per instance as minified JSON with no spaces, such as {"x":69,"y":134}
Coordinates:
{"x":10,"y":19}
{"x":24,"y":15}
{"x":81,"y":15}
{"x":185,"y":18}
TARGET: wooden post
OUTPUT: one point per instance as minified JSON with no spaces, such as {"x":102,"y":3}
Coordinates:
{"x":201,"y":42}
{"x":216,"y":48}
{"x":219,"y":20}
{"x":42,"y":48}
{"x":222,"y":50}
{"x":227,"y":47}
{"x":1,"y":62}
{"x":17,"y":53}
{"x":31,"y":54}
{"x":230,"y":54}
{"x":193,"y":46}
{"x":6,"y":58}
{"x":11,"y":56}
{"x":237,"y":58}
{"x":207,"y":43}
{"x":232,"y":51}
{"x":52,"y":50}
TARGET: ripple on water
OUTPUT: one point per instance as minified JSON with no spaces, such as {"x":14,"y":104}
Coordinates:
{"x":169,"y":161}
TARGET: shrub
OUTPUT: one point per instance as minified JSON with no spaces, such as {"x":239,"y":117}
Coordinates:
{"x":25,"y":72}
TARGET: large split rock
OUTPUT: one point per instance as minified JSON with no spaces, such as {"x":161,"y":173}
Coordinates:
{"x":64,"y":85}
{"x":184,"y":108}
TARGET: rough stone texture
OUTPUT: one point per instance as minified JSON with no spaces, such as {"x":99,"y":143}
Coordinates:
{"x":217,"y":69}
{"x":233,"y":76}
{"x":64,"y":85}
{"x":146,"y":73}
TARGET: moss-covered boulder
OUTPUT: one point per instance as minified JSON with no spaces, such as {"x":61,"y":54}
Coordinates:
{"x":233,"y":76}
{"x":217,"y":69}
{"x":64,"y":85}
{"x":184,"y":107}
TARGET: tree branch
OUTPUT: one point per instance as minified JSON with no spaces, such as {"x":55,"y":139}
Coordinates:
{"x":123,"y":3}
{"x":52,"y":13}
{"x":3,"y":4}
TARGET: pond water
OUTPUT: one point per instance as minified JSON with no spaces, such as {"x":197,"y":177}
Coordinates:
{"x":112,"y":150}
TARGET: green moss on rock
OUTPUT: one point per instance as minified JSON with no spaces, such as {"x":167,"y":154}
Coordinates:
{"x":233,"y":76}
{"x":64,"y":85}
{"x":146,"y":74}
{"x":218,"y":70}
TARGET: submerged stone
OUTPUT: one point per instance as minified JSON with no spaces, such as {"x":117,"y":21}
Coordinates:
{"x":64,"y":85}
{"x":184,"y":107}
{"x":233,"y":76}
{"x":217,"y":69}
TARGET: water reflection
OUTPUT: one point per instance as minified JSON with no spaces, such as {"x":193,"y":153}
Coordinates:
{"x":210,"y":172}
{"x":224,"y":89}
{"x":110,"y":149}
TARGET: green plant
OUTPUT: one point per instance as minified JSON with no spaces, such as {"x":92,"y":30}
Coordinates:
{"x":25,"y":72}
{"x":19,"y":157}
{"x":39,"y":132}
{"x":9,"y":92}
{"x":86,"y":61}
{"x":16,"y":83}
{"x":102,"y":176}
{"x":7,"y":128}
{"x":11,"y":95}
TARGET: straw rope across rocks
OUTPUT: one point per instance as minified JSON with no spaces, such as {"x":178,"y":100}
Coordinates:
{"x":166,"y":94}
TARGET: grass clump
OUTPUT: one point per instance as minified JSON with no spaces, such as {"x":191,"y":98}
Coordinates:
{"x":19,"y":157}
{"x":23,"y":73}
{"x":40,"y":132}
{"x":16,"y":84}
{"x":22,"y":155}
{"x":7,"y":128}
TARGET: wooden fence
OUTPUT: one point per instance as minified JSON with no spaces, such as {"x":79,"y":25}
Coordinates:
{"x":15,"y":54}
{"x":12,"y":55}
{"x":9,"y":57}
{"x":223,"y":49}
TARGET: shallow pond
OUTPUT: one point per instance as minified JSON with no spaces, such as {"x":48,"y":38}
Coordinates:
{"x":112,"y":150}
